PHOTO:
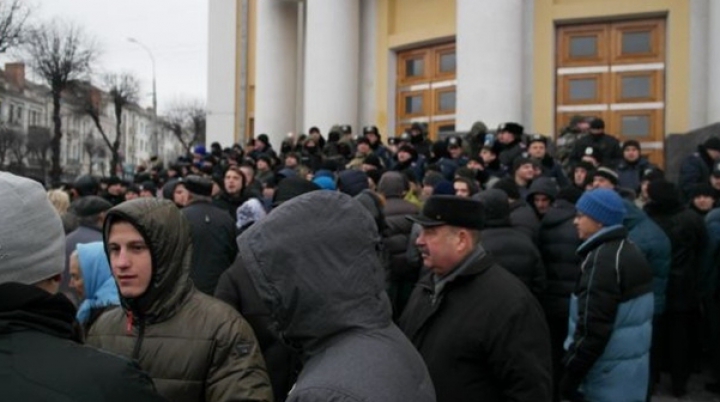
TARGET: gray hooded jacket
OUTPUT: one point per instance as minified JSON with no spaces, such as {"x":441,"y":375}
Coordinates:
{"x":314,"y":263}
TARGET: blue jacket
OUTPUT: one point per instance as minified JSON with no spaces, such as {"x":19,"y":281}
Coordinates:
{"x":610,"y":327}
{"x":629,"y":174}
{"x":655,"y":246}
{"x":98,"y":282}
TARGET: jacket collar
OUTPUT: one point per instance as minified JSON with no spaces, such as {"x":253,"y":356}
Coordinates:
{"x":604,"y":235}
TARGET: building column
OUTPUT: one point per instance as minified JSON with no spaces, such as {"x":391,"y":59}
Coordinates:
{"x":332,"y":48}
{"x":275,"y":69}
{"x":713,"y":60}
{"x":490,"y":62}
{"x":221,"y":92}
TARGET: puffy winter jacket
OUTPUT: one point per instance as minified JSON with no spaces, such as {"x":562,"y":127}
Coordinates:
{"x":610,"y":326}
{"x":688,"y":239}
{"x":694,"y":169}
{"x":195,"y":347}
{"x":558,"y":246}
{"x":403,"y":274}
{"x":711,"y":255}
{"x":655,"y":246}
{"x":629,"y":174}
{"x":513,"y":251}
{"x":523,"y":217}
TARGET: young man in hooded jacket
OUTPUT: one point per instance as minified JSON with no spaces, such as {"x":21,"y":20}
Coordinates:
{"x":195,"y":347}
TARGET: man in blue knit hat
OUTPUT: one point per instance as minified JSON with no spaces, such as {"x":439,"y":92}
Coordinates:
{"x":611,"y":308}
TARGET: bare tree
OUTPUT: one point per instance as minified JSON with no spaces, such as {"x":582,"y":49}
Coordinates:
{"x":187,"y":121}
{"x":9,"y":137}
{"x":92,"y":147}
{"x":39,"y":140}
{"x":123,"y":90}
{"x":60,"y":53}
{"x":13,"y":23}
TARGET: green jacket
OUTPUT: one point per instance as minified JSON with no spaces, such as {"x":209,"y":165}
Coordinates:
{"x":195,"y":347}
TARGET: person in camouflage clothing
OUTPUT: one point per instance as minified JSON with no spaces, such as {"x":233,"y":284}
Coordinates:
{"x":578,"y":128}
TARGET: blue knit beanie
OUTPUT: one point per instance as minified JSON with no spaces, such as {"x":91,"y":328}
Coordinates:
{"x":325,"y":183}
{"x":603,"y":205}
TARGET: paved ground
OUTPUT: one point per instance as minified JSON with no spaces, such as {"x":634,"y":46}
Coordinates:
{"x":696,"y":392}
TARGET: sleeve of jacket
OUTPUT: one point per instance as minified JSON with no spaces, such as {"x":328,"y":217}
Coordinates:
{"x":690,"y":174}
{"x":227,"y":290}
{"x":539,"y":280}
{"x":238,"y":370}
{"x":597,"y":309}
{"x":519,"y":354}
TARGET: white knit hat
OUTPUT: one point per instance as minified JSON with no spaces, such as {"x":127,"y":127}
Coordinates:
{"x":32,"y":240}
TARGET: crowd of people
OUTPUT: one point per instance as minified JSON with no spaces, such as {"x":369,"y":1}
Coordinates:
{"x":495,"y":265}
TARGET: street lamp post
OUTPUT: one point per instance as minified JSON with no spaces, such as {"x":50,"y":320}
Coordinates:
{"x":154,"y":138}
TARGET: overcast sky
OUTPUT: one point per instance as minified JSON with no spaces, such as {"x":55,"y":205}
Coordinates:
{"x":174,"y":30}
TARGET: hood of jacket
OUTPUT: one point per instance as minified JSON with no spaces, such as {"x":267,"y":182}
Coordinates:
{"x":560,"y":212}
{"x":167,"y":233}
{"x":543,"y":185}
{"x":323,"y":284}
{"x":497,"y":208}
{"x":392,"y":185}
{"x":633,"y":215}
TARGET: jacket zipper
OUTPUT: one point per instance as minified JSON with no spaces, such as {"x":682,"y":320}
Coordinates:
{"x":141,"y":334}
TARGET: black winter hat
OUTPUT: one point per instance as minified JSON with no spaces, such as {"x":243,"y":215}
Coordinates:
{"x":597,"y":124}
{"x":712,"y":143}
{"x":663,"y":193}
{"x":410,"y":150}
{"x":703,"y":189}
{"x":543,"y":185}
{"x":608,"y":173}
{"x":513,"y":128}
{"x":522,"y":160}
{"x":631,"y":143}
{"x":373,"y":160}
{"x":352,"y":182}
{"x":86,"y":185}
{"x":570,"y":193}
{"x":198,"y":185}
{"x":509,"y":186}
{"x":451,"y":210}
{"x":292,"y":187}
{"x":537,"y":138}
{"x":652,"y":174}
{"x":90,"y":205}
{"x":454,"y":142}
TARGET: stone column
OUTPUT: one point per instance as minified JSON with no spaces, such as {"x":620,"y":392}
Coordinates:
{"x":713,"y":60}
{"x":275,"y":69}
{"x":332,"y":48}
{"x":490,"y":62}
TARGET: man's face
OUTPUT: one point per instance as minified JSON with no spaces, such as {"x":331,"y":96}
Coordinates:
{"x":461,"y":189}
{"x":597,"y":131}
{"x":715,"y":181}
{"x":145,"y":194}
{"x":455,"y":152}
{"x":427,"y":191}
{"x":76,"y":278}
{"x":542,"y":203}
{"x":249,"y":174}
{"x":602,"y":182}
{"x":525,"y":172}
{"x":715,"y":155}
{"x":372,"y":137}
{"x":586,"y":226}
{"x":291,"y":162}
{"x":181,"y":195}
{"x":631,"y":154}
{"x":115,"y":189}
{"x":131,"y":195}
{"x":262,"y":165}
{"x":583,"y":126}
{"x":233,"y":182}
{"x":487,"y":156}
{"x":505,"y":137}
{"x":363,"y":148}
{"x":703,"y":202}
{"x":403,"y":156}
{"x":130,"y":259}
{"x":537,"y":150}
{"x":259,"y":145}
{"x":268,"y":193}
{"x":438,"y":247}
{"x":579,"y":176}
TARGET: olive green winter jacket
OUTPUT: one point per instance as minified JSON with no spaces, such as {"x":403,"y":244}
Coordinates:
{"x":195,"y":348}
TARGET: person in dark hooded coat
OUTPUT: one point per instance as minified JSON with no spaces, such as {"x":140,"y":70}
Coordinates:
{"x":697,"y":167}
{"x":328,"y":300}
{"x":235,"y":288}
{"x":522,"y":216}
{"x":558,"y":244}
{"x":513,"y":251}
{"x":688,"y":238}
{"x":403,"y":274}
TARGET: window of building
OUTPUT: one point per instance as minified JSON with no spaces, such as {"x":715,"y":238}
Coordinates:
{"x":426,"y":90}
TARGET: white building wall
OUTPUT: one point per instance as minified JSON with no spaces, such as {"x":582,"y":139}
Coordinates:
{"x":222,"y":56}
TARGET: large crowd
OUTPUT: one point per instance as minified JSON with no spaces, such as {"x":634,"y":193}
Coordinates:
{"x":492,"y":265}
